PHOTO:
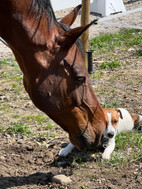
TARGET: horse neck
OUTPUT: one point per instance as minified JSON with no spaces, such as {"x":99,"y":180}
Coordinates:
{"x":24,"y":32}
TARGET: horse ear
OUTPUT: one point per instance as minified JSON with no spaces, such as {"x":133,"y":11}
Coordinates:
{"x":70,"y":36}
{"x":70,"y":18}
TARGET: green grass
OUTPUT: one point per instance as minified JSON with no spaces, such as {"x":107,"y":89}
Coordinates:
{"x":129,"y":139}
{"x":97,"y":75}
{"x":12,"y":62}
{"x":48,"y":127}
{"x":37,"y":118}
{"x":110,"y":65}
{"x":42,"y":137}
{"x":111,"y":103}
{"x":111,"y":44}
{"x":139,"y":52}
{"x":128,"y":148}
{"x":2,"y":128}
{"x":108,"y":42}
{"x":4,"y":108}
{"x":19,"y":128}
{"x":12,"y":74}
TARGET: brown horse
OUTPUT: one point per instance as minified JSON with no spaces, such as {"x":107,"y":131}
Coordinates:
{"x":50,"y":56}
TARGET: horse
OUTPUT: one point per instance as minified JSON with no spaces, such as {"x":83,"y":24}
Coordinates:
{"x":51,"y":58}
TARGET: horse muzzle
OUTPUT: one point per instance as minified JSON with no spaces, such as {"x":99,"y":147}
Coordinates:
{"x":86,"y":140}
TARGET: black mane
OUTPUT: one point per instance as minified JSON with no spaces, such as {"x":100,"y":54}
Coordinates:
{"x":41,"y":7}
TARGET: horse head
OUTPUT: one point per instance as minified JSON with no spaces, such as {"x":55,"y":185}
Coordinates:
{"x":51,"y":58}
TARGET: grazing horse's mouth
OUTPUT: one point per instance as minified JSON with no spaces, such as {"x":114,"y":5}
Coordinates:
{"x":87,"y":139}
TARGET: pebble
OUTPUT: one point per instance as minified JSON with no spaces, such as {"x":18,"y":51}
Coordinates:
{"x":93,"y":155}
{"x":62,"y":163}
{"x":2,"y":158}
{"x":61,"y":179}
{"x":131,"y":49}
{"x":2,"y":97}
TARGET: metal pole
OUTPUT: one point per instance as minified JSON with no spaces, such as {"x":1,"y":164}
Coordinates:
{"x":90,"y":61}
{"x":84,"y":21}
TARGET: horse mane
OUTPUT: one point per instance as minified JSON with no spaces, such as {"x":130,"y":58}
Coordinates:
{"x":41,"y":7}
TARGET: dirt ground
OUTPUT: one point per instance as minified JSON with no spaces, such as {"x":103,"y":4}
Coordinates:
{"x":28,"y":164}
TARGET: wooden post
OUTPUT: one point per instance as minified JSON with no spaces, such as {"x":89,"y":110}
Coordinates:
{"x":84,"y":21}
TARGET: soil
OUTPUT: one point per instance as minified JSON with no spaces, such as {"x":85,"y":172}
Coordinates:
{"x":26,"y":163}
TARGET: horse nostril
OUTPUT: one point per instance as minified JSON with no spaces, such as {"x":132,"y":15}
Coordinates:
{"x":111,"y":134}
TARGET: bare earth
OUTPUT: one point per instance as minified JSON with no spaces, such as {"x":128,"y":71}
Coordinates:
{"x":28,"y":164}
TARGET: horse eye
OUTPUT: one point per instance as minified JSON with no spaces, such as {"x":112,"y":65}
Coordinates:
{"x":81,"y":79}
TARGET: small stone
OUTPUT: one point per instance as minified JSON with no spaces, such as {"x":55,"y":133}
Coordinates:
{"x":2,"y":158}
{"x":62,"y":163}
{"x":61,"y":179}
{"x":93,"y":155}
{"x":2,"y":97}
{"x":130,"y":49}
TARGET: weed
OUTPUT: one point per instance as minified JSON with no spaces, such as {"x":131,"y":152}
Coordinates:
{"x":104,"y":90}
{"x":110,"y":64}
{"x":19,"y":128}
{"x":97,"y":74}
{"x":112,"y":103}
{"x":7,"y":61}
{"x":2,"y":129}
{"x":139,"y":53}
{"x":4,"y":108}
{"x":16,"y":116}
{"x":49,"y":126}
{"x":82,"y":187}
{"x":42,"y":137}
{"x":38,"y":118}
{"x":14,"y":85}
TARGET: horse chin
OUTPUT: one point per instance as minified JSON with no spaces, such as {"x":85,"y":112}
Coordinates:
{"x":84,"y":141}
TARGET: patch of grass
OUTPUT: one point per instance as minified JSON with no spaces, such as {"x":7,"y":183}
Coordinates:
{"x":19,"y":128}
{"x":14,"y":85}
{"x":11,"y":72}
{"x":112,"y":103}
{"x":128,"y":149}
{"x":82,"y":187}
{"x":108,"y":42}
{"x":2,"y":129}
{"x":38,"y":118}
{"x":97,"y":74}
{"x":4,"y":108}
{"x":42,"y":137}
{"x":17,"y":77}
{"x":140,"y":82}
{"x":132,"y":139}
{"x":104,"y":90}
{"x":16,"y":116}
{"x":7,"y":61}
{"x":110,"y":65}
{"x":139,"y":52}
{"x":49,"y":126}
